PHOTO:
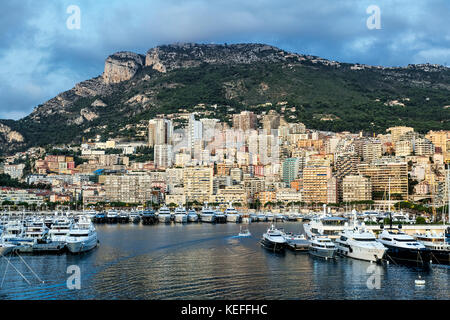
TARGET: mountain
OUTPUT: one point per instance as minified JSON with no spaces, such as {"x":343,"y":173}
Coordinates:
{"x":218,"y":79}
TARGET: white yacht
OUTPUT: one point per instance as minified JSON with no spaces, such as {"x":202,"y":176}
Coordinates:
{"x":325,"y":226}
{"x":322,"y":247}
{"x":82,"y":236}
{"x":273,"y":239}
{"x":232,"y":214}
{"x":360,"y":243}
{"x":269,"y":216}
{"x":219,"y":216}
{"x":208,"y":214}
{"x":60,"y":230}
{"x":440,"y":249}
{"x":403,"y":248}
{"x":180,"y":214}
{"x":261,"y":217}
{"x":164,"y":214}
{"x":192,"y":215}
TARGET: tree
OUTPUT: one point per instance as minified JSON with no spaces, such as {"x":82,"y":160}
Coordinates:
{"x":420,"y":220}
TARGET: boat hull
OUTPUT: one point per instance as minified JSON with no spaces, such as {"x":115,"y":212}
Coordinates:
{"x":419,"y":258}
{"x":273,"y":246}
{"x":323,"y":252}
{"x":209,"y":218}
{"x":233,"y":218}
{"x":82,"y":246}
{"x":164,"y":218}
{"x":440,"y":257}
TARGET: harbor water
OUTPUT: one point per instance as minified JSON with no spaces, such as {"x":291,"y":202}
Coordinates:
{"x":207,"y":261}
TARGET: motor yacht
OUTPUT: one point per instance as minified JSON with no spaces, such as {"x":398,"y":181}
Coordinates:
{"x":360,"y":243}
{"x":440,"y":249}
{"x":112,"y":216}
{"x":403,"y":248}
{"x":180,"y":214}
{"x":164,"y":214}
{"x":273,"y":240}
{"x":296,"y":242}
{"x":323,"y":247}
{"x":232,"y":214}
{"x":208,"y":214}
{"x":192,"y":215}
{"x":82,"y":236}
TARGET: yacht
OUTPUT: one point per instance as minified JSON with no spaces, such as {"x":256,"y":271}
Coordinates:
{"x":440,"y":249}
{"x":180,"y":214}
{"x":279,"y":217}
{"x":14,"y":233}
{"x":135,"y":217}
{"x":192,"y":215}
{"x":82,"y":236}
{"x":273,"y":240}
{"x":36,"y":229}
{"x":111,"y":216}
{"x":60,"y":230}
{"x":296,"y":242}
{"x":325,"y":225}
{"x":232,"y":214}
{"x":219,"y":216}
{"x":269,"y":216}
{"x":48,"y":221}
{"x":208,"y":214}
{"x":149,"y":217}
{"x":321,"y":246}
{"x":360,"y":243}
{"x":261,"y":217}
{"x":403,"y":248}
{"x":123,"y":217}
{"x":253,"y":217}
{"x":90,"y":213}
{"x":164,"y":214}
{"x":100,"y":217}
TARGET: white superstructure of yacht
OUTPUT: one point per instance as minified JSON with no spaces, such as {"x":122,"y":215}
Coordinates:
{"x":232,"y":214}
{"x":208,"y":214}
{"x":164,"y":214}
{"x":180,"y":214}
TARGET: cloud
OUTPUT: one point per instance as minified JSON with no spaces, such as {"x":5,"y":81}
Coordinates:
{"x":40,"y":57}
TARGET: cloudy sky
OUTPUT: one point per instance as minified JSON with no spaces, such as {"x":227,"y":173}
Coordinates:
{"x":41,"y":57}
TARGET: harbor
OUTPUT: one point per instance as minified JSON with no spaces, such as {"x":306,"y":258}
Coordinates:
{"x":210,"y":261}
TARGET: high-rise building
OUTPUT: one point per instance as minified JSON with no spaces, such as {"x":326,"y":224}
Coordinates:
{"x":160,"y":131}
{"x":291,"y":167}
{"x":271,"y":121}
{"x":403,"y":148}
{"x":163,"y":155}
{"x":423,"y":147}
{"x":356,"y":188}
{"x":198,"y":183}
{"x":397,"y":132}
{"x":315,"y":181}
{"x":194,"y":133}
{"x":371,"y":150}
{"x":246,"y":120}
{"x":384,"y":173}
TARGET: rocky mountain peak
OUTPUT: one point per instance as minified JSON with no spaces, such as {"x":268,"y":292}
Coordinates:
{"x":122,"y":66}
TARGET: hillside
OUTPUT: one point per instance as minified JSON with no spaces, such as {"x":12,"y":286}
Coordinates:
{"x":327,"y":95}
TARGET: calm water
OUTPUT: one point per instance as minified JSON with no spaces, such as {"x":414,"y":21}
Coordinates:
{"x":203,"y":261}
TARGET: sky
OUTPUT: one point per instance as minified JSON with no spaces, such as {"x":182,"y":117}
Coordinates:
{"x":43,"y":52}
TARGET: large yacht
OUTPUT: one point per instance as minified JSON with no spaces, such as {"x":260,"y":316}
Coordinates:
{"x":60,"y":230}
{"x":220,"y":217}
{"x":232,"y":214}
{"x":440,"y":249}
{"x":296,"y":242}
{"x":325,"y":225}
{"x":273,"y":239}
{"x":322,"y":247}
{"x":164,"y":214}
{"x":192,"y":215}
{"x":360,"y":243}
{"x":208,"y":214}
{"x":403,"y":248}
{"x":112,"y":216}
{"x":180,"y":214}
{"x":82,"y":236}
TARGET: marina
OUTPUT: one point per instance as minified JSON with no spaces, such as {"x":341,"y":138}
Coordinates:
{"x":208,"y":261}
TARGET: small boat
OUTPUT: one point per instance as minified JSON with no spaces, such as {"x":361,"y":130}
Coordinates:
{"x":82,"y":236}
{"x":273,"y":240}
{"x":419,"y":282}
{"x":244,"y":232}
{"x":323,"y":247}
